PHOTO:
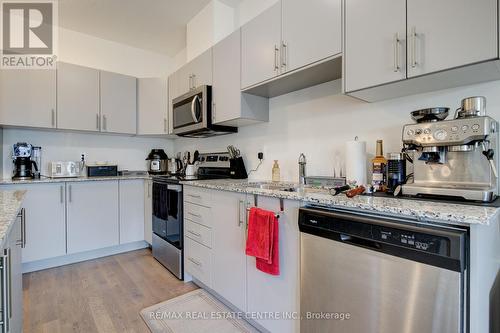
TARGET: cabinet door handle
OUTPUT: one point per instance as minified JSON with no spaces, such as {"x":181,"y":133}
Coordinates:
{"x":396,"y":52}
{"x":5,"y":291}
{"x":194,"y":81}
{"x":197,"y":263}
{"x":53,"y":117}
{"x":276,"y":58}
{"x":104,"y":122}
{"x":61,"y":192}
{"x":70,"y":194}
{"x":190,"y":82}
{"x":194,"y":233}
{"x":195,"y":215}
{"x":97,"y":121}
{"x":194,"y":196}
{"x":165,"y":125}
{"x":413,"y":54}
{"x":284,"y":55}
{"x":241,"y":212}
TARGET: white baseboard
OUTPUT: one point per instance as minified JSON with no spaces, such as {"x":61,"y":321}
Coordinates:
{"x":78,"y":257}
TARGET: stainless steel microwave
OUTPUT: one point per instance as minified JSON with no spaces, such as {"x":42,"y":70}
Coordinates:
{"x":192,"y":115}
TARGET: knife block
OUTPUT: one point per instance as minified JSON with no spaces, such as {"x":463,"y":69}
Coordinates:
{"x":237,"y":168}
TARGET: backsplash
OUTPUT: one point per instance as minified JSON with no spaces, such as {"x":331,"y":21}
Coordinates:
{"x":128,"y":152}
{"x":319,"y":120}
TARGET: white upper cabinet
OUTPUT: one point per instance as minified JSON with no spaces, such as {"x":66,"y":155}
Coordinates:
{"x":450,"y":33}
{"x":28,"y":98}
{"x":118,"y":103}
{"x":152,"y":106}
{"x":375,"y":43}
{"x":312,"y":31}
{"x":77,"y":97}
{"x":131,"y":210}
{"x":229,"y":105}
{"x":260,"y":44}
{"x":201,"y":69}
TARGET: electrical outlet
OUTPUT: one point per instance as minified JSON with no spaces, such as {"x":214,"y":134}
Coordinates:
{"x":260,"y":156}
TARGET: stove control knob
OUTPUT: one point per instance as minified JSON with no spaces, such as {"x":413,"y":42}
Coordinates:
{"x":465,"y":128}
{"x":475,"y":127}
{"x":427,"y":131}
{"x":418,"y":131}
{"x":410,"y":132}
{"x":440,"y":135}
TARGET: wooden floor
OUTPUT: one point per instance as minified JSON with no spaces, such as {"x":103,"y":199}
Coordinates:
{"x":102,"y":295}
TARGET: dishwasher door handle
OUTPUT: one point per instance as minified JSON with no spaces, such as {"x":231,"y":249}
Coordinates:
{"x":356,"y":241}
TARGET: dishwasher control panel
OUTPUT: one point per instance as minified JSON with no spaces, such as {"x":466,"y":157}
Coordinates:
{"x":419,"y":241}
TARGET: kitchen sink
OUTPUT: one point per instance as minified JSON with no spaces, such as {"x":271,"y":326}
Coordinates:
{"x":282,"y":187}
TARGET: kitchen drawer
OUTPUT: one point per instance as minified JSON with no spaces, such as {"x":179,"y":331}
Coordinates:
{"x":198,"y":214}
{"x":198,"y":261}
{"x":197,"y":196}
{"x":198,"y":232}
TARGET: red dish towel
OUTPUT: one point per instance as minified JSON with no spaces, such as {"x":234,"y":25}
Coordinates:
{"x":263,"y":240}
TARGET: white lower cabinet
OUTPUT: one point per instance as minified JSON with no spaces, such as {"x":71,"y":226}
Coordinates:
{"x":278,"y":294}
{"x":148,"y":211}
{"x":45,"y":220}
{"x":229,"y":259}
{"x":15,"y":278}
{"x":92,"y":215}
{"x":227,"y":270}
{"x":131,"y":196}
{"x":198,"y":261}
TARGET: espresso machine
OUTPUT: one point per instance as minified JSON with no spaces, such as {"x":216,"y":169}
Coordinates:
{"x":453,"y":159}
{"x":27,"y":160}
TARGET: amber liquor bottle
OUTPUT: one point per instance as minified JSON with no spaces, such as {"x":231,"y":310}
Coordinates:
{"x":379,"y":165}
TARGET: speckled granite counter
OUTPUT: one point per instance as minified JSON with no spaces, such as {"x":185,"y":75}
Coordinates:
{"x":423,"y":211}
{"x":77,"y":179}
{"x":10,"y":204}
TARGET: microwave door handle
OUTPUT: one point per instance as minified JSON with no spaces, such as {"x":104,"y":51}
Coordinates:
{"x":193,"y":114}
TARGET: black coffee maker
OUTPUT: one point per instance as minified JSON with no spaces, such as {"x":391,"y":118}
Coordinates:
{"x":23,"y":164}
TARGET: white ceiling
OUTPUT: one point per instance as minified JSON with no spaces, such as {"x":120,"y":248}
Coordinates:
{"x":155,"y":25}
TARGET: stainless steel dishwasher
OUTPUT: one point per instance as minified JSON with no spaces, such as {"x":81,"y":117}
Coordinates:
{"x":363,"y":273}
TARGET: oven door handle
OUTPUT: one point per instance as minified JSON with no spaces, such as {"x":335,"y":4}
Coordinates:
{"x":193,"y":113}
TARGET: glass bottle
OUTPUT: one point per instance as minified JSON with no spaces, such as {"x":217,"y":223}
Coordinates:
{"x":379,"y":165}
{"x":276,"y":171}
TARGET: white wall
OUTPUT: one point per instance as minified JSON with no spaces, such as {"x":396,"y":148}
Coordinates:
{"x":90,"y":51}
{"x":129,"y":152}
{"x":248,"y":9}
{"x":318,"y":121}
{"x":214,"y":22}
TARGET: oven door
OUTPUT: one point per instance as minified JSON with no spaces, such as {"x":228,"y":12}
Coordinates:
{"x":167,"y":213}
{"x":190,"y":111}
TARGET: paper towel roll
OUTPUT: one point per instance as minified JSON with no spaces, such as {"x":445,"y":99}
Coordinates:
{"x":355,"y":162}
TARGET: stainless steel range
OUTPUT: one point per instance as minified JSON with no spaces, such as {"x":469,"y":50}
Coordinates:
{"x":168,"y":211}
{"x":453,"y":158}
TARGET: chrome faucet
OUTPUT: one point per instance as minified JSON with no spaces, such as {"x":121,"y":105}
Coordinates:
{"x":302,"y":169}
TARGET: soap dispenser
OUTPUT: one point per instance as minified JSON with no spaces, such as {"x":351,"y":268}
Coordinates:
{"x":276,"y":171}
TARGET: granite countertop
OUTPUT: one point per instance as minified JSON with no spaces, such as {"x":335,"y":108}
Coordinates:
{"x":422,"y":211}
{"x":74,"y":179}
{"x":10,"y":204}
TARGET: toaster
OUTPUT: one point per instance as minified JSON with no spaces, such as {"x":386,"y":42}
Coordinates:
{"x":65,"y":169}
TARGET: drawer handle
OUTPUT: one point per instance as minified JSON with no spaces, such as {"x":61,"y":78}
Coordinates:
{"x":194,"y":196}
{"x":195,"y":215}
{"x":194,"y":233}
{"x":197,"y":263}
